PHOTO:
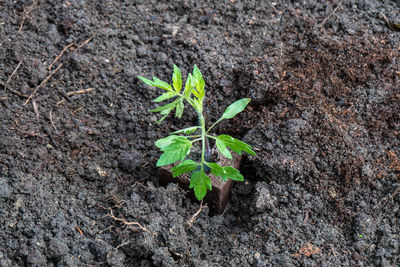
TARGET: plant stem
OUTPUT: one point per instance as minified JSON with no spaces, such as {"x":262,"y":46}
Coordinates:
{"x":212,"y":126}
{"x":193,"y":136}
{"x":203,"y":139}
{"x":188,"y":100}
{"x":213,"y":137}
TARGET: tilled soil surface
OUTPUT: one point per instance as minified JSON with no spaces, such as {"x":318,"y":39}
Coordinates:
{"x":78,"y":183}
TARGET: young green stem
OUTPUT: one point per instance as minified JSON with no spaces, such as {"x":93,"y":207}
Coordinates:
{"x":203,"y":139}
{"x":212,"y":126}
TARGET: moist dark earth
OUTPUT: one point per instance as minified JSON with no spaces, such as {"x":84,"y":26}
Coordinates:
{"x":78,"y":182}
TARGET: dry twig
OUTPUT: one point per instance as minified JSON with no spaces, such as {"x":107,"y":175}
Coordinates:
{"x":42,"y":83}
{"x":83,"y":91}
{"x":194,"y":216}
{"x":123,"y":244}
{"x":12,"y":74}
{"x":14,"y":91}
{"x":85,"y":42}
{"x":135,"y":226}
{"x":79,"y":46}
{"x":51,"y":120}
{"x":26,"y":12}
{"x":59,"y":56}
{"x":333,"y":12}
{"x":36,"y":109}
{"x":9,"y":79}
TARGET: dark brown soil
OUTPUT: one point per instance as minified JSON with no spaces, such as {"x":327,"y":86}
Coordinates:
{"x":78,"y":182}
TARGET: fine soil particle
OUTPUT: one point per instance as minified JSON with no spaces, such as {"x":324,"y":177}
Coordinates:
{"x":78,"y":182}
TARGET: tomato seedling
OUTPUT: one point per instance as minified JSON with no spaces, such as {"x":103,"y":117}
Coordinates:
{"x":177,"y":146}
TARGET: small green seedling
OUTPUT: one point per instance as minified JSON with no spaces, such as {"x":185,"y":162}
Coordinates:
{"x":177,"y":146}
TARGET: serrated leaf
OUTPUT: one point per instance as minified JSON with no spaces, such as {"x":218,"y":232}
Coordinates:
{"x":198,"y":82}
{"x":165,"y":107}
{"x":199,"y":181}
{"x":197,"y":94}
{"x":177,"y":150}
{"x":216,"y":169}
{"x":161,"y":84}
{"x":234,"y":144}
{"x":225,"y":172}
{"x":162,"y":118}
{"x":188,"y":86}
{"x":166,"y":141}
{"x":177,"y":79}
{"x":232,"y":173}
{"x":184,"y":167}
{"x":170,"y":157}
{"x":145,"y":80}
{"x":164,"y":96}
{"x":179,"y":108}
{"x":179,"y":143}
{"x":235,"y":108}
{"x":221,"y":146}
{"x":188,"y":130}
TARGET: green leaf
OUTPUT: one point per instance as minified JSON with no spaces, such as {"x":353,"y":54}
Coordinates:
{"x":197,"y":94}
{"x":165,"y":96}
{"x":235,"y":108}
{"x":232,"y":173}
{"x":216,"y":169}
{"x":162,"y":118}
{"x":179,"y":108}
{"x":161,"y":84}
{"x":169,"y":106}
{"x":199,"y":181}
{"x":221,"y":146}
{"x":225,"y":172}
{"x":166,"y":141}
{"x":234,"y":144}
{"x":166,"y":109}
{"x":198,"y":82}
{"x":184,"y":167}
{"x":188,"y":86}
{"x":146,"y":81}
{"x":177,"y":79}
{"x":177,"y":150}
{"x":178,"y":143}
{"x":156,"y":82}
{"x":188,"y":130}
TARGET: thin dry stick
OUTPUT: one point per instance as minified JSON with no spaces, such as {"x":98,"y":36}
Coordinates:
{"x":333,"y":12}
{"x":51,"y":120}
{"x":386,"y":20}
{"x":35,"y":108}
{"x":13,"y":91}
{"x":27,"y":10}
{"x":123,"y":244}
{"x":132,"y":225}
{"x":83,"y":91}
{"x":108,"y":228}
{"x":66,"y":48}
{"x":193,"y":218}
{"x":59,"y":55}
{"x":85,"y":42}
{"x":12,"y":74}
{"x":42,"y":83}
